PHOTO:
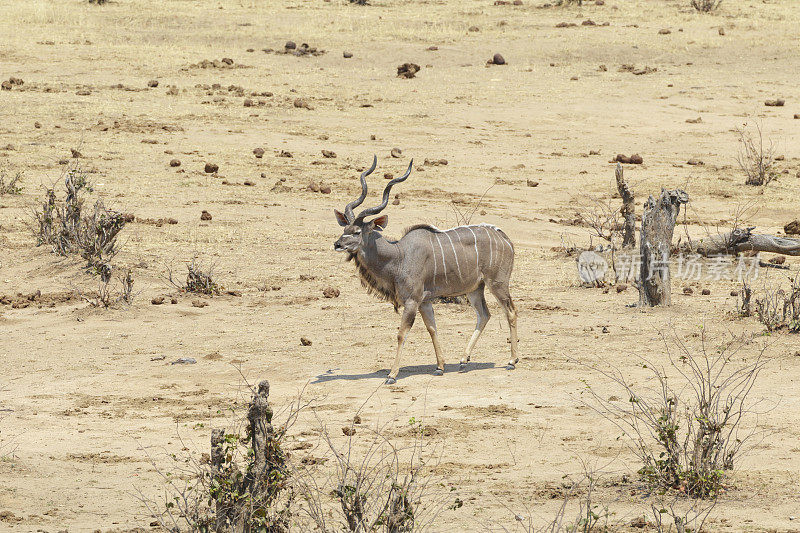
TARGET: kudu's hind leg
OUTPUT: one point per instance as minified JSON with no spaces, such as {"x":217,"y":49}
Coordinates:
{"x":406,"y":321}
{"x":426,"y":310}
{"x":478,"y":301}
{"x":500,"y":291}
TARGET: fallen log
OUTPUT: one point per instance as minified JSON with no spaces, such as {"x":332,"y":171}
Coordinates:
{"x":743,"y":240}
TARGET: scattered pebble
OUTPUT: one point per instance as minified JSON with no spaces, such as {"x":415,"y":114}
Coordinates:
{"x":152,"y":83}
{"x":497,"y":59}
{"x":688,"y":290}
{"x":473,"y":29}
{"x":396,"y":152}
{"x":721,"y":31}
{"x":329,"y":154}
{"x":347,"y":55}
{"x":705,"y":292}
{"x":174,"y":163}
{"x":622,"y":287}
{"x":694,"y":162}
{"x":305,"y":342}
{"x":258,"y":152}
{"x":349,"y":431}
{"x":778,"y":260}
{"x":211,"y":168}
{"x":664,"y":31}
{"x":158,"y":300}
{"x":635,"y":159}
{"x":697,"y":120}
{"x":779,"y":102}
{"x":734,"y":293}
{"x":532,"y":183}
{"x":205,"y":215}
{"x":300,"y":103}
{"x":199,"y":303}
{"x":792,"y":228}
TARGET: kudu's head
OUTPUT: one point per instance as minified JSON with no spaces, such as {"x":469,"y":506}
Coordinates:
{"x":357,"y":231}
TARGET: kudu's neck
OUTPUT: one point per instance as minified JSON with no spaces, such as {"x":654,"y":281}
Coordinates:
{"x":377,"y":253}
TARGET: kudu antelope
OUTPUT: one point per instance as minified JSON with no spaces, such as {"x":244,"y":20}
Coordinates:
{"x":427,"y":263}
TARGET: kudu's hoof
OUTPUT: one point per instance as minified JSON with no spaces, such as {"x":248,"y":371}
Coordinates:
{"x":510,"y":366}
{"x":438,"y":372}
{"x":390,"y":381}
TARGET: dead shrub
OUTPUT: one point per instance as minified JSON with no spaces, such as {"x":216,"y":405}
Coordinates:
{"x":705,"y":6}
{"x":199,"y":279}
{"x":10,"y":184}
{"x":755,"y":158}
{"x":778,"y":308}
{"x":106,"y":295}
{"x":687,"y":436}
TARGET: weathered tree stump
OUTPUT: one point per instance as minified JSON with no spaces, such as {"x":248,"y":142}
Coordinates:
{"x":658,"y":225}
{"x":628,"y":210}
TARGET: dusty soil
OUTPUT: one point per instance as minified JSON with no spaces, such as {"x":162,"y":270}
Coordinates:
{"x":87,"y":395}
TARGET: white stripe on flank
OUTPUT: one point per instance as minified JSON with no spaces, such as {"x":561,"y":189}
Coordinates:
{"x":490,"y":245}
{"x":444,"y":266}
{"x":455,"y":255}
{"x":433,"y":250}
{"x":477,"y":259}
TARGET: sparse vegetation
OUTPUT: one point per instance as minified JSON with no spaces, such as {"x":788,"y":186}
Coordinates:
{"x":687,"y":436}
{"x":68,"y":228}
{"x":756,"y":156}
{"x":10,"y":182}
{"x":243,"y":485}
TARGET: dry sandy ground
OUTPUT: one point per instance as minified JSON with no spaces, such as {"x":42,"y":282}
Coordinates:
{"x":83,"y":399}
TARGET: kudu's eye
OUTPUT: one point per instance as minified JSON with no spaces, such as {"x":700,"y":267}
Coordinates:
{"x":357,"y":231}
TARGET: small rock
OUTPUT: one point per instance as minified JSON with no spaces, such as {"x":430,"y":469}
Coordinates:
{"x":705,"y":292}
{"x":432,"y":48}
{"x":211,"y":168}
{"x":664,"y":31}
{"x":697,"y":120}
{"x":313,"y":187}
{"x":721,"y":30}
{"x":205,"y":215}
{"x":694,"y":162}
{"x":302,"y":104}
{"x":779,"y":102}
{"x":474,"y":29}
{"x":83,"y":92}
{"x":734,"y":293}
{"x":622,"y":287}
{"x":356,"y":419}
{"x":152,"y":83}
{"x":174,"y":163}
{"x":330,"y":292}
{"x":75,"y":154}
{"x":347,"y":55}
{"x":497,"y":59}
{"x":778,"y":260}
{"x":792,"y":228}
{"x":408,"y":70}
{"x":396,"y":152}
{"x":325,"y":189}
{"x":199,"y":303}
{"x":227,"y":60}
{"x":184,"y":361}
{"x":329,"y":154}
{"x":636,"y":159}
{"x":797,"y":116}
{"x":38,"y":125}
{"x":248,"y":102}
{"x":258,"y":152}
{"x":688,"y":290}
{"x":305,"y":342}
{"x":532,"y":183}
{"x":290,"y":45}
{"x":349,"y":431}
{"x":588,"y":22}
{"x":158,"y":300}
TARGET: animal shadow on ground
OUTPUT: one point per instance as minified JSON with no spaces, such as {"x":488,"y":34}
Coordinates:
{"x":405,"y":372}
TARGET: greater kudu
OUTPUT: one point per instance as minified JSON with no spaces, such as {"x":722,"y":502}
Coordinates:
{"x":427,"y":263}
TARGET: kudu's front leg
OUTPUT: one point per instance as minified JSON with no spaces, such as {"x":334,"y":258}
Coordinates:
{"x":426,"y":310}
{"x":406,"y":321}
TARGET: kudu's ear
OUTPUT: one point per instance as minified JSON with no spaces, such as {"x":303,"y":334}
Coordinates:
{"x":340,"y":218}
{"x":381,"y":222}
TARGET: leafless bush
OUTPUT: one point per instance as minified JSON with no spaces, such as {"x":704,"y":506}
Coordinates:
{"x":706,"y":5}
{"x":10,"y":184}
{"x":744,"y":306}
{"x":755,"y":158}
{"x":199,"y":279}
{"x":68,"y":228}
{"x":243,"y":485}
{"x":779,"y":308}
{"x":687,"y":437}
{"x":681,"y":514}
{"x":385,"y":488}
{"x":106,"y":295}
